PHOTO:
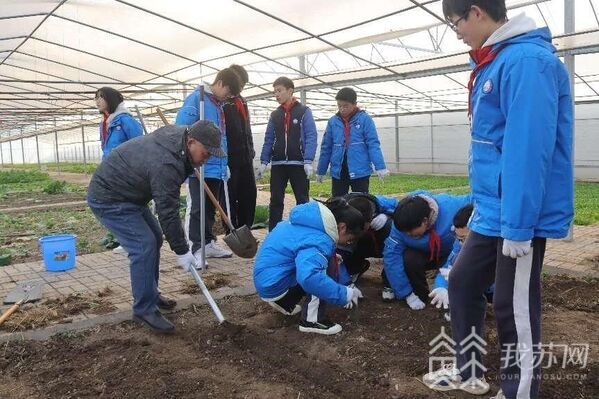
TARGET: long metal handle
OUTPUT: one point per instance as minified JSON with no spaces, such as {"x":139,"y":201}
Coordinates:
{"x":202,"y":184}
{"x":226,"y":187}
{"x":211,"y":302}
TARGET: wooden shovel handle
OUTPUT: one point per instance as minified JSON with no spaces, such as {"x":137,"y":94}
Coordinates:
{"x":161,"y":115}
{"x":214,"y":200}
{"x":10,"y":311}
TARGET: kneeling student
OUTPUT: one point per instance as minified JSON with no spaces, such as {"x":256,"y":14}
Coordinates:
{"x":294,"y":258}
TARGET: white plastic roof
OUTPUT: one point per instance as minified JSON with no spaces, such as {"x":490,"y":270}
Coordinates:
{"x":399,"y":55}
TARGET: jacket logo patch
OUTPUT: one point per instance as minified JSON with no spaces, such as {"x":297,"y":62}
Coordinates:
{"x":358,"y":126}
{"x":295,"y":121}
{"x":118,"y":128}
{"x":488,"y":86}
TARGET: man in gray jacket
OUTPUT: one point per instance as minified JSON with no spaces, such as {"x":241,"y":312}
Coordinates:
{"x":145,"y":168}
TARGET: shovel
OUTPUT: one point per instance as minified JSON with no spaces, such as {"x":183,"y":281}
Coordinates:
{"x":240,"y":241}
{"x":28,"y":291}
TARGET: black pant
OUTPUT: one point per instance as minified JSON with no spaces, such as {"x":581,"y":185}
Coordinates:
{"x":517,"y":304}
{"x":279,"y":176}
{"x":242,"y":195}
{"x":341,"y":186}
{"x":416,"y":263}
{"x":369,"y":245}
{"x":195,"y":237}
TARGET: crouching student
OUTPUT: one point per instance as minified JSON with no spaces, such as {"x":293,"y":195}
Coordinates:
{"x":294,"y":258}
{"x":421,"y":239}
{"x":439,"y":295}
{"x":377,"y":212}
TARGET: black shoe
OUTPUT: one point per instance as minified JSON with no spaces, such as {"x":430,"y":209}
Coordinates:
{"x":156,"y":322}
{"x":166,"y":303}
{"x":325,"y":327}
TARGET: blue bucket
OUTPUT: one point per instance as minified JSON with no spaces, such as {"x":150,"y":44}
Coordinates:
{"x":58,"y":252}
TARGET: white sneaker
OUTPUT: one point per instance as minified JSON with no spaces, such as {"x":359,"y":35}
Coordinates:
{"x":213,"y":250}
{"x":198,"y":255}
{"x":449,"y":379}
{"x":388,"y":294}
{"x":119,"y":250}
{"x":499,"y":395}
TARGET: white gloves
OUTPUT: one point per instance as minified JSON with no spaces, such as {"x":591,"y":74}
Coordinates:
{"x":515,"y":249}
{"x":308,"y":169}
{"x":382,"y":173}
{"x":187,"y":261}
{"x":353,"y":294}
{"x":320,"y":178}
{"x":379,"y":221}
{"x":440,"y":297}
{"x":261,"y":170}
{"x":414,"y":302}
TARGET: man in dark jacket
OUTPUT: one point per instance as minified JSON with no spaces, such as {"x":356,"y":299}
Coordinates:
{"x":145,"y":168}
{"x":240,"y":146}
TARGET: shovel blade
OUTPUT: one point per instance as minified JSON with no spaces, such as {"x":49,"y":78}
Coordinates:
{"x":242,"y":242}
{"x":29,"y":291}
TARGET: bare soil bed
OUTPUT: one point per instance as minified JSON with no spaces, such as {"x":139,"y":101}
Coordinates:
{"x":381,"y":353}
{"x":36,"y":198}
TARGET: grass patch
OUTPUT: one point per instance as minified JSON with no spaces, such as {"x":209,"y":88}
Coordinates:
{"x":586,"y":203}
{"x":70,"y":167}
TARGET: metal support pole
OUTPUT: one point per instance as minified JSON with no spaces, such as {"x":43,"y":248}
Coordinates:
{"x":432,"y":139}
{"x":570,"y":27}
{"x":396,"y":117}
{"x":302,"y":68}
{"x":83,"y":143}
{"x":10,"y":145}
{"x":2,"y":153}
{"x":22,"y":149}
{"x":37,"y":152}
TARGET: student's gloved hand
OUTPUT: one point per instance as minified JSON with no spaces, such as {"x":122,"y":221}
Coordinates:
{"x":261,"y":170}
{"x":440,"y":297}
{"x":309,"y":170}
{"x":515,"y":249}
{"x":382,"y":173}
{"x":320,"y":178}
{"x":353,"y":294}
{"x":414,"y":302}
{"x":187,"y":261}
{"x":379,"y":221}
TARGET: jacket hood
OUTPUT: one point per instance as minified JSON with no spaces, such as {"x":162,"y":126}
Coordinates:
{"x":521,"y":29}
{"x":317,"y":216}
{"x":120,"y":109}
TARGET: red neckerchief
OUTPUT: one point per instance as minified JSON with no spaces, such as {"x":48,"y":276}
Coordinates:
{"x":287,"y":108}
{"x":346,"y":126}
{"x":434,"y":245}
{"x":481,"y":57}
{"x":104,"y":128}
{"x":221,"y":113}
{"x":240,"y":108}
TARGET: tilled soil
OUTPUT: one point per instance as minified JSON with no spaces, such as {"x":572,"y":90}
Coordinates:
{"x":382,"y":352}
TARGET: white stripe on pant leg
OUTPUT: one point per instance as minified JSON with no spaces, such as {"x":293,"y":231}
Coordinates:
{"x":312,"y":313}
{"x":523,"y":327}
{"x":187,"y":215}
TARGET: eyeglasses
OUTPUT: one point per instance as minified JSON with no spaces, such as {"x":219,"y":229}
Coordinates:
{"x":454,"y":25}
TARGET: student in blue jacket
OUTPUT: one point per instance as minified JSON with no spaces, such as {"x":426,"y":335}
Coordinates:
{"x":226,"y":83}
{"x":117,"y":127}
{"x":289,"y":146}
{"x":295,"y":259}
{"x":522,"y":186}
{"x":351,"y":146}
{"x":421,"y":239}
